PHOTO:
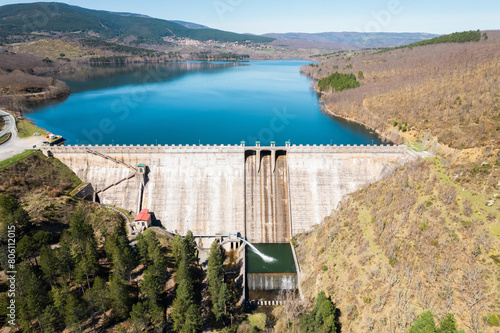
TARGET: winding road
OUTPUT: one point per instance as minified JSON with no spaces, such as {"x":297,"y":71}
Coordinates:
{"x":15,"y":145}
{"x":10,"y":123}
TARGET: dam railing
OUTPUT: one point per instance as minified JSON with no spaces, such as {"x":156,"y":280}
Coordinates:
{"x":145,"y":149}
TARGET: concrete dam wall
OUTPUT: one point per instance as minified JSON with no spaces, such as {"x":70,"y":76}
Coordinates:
{"x":268,"y":194}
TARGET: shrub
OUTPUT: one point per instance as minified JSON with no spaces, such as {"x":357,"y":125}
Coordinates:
{"x":338,"y":82}
{"x":324,"y":268}
{"x":423,"y":226}
{"x":494,"y":320}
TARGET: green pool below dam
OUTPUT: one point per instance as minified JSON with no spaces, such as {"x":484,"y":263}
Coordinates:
{"x":266,"y":279}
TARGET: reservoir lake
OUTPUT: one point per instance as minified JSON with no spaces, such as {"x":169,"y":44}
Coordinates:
{"x":195,"y":103}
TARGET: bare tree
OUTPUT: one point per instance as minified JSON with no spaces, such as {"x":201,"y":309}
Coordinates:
{"x":292,"y":306}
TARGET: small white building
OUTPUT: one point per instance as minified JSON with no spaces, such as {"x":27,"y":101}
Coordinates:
{"x":142,"y":221}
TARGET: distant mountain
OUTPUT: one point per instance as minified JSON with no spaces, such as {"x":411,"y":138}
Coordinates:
{"x":190,"y":25}
{"x":357,"y":39}
{"x":23,"y":20}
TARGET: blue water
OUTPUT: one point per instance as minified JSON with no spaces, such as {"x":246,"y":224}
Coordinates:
{"x":196,"y":102}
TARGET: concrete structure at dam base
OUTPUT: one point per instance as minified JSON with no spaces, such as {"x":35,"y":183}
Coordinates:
{"x":267,"y":194}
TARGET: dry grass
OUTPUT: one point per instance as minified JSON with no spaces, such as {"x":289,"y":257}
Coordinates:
{"x":52,"y":48}
{"x":42,"y":185}
{"x":420,"y":239}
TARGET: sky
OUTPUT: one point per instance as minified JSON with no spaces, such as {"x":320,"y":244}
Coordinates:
{"x":265,"y":16}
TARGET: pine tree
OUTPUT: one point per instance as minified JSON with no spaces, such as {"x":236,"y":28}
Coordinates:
{"x":138,"y":317}
{"x":72,"y":313}
{"x":193,"y":319}
{"x":158,"y":319}
{"x":177,"y":249}
{"x":215,"y":277}
{"x":48,"y":264}
{"x":424,"y":324}
{"x":120,"y":299}
{"x":97,"y":297}
{"x":190,"y":246}
{"x":448,"y":324}
{"x":32,"y":293}
{"x":50,"y":319}
{"x":64,"y":255}
{"x":321,"y":318}
{"x":184,"y":297}
{"x":89,"y":262}
{"x":153,"y":281}
{"x":224,"y":300}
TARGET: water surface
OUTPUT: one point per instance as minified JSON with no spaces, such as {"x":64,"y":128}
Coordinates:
{"x":196,"y":102}
{"x":282,"y":252}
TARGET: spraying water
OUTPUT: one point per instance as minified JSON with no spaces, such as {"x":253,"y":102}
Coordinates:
{"x":264,"y":257}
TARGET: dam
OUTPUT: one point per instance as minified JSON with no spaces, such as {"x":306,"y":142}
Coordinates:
{"x":266,"y":193}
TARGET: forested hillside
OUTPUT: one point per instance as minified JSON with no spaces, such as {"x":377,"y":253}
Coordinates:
{"x":20,"y":21}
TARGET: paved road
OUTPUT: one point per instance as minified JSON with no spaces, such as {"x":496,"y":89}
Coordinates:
{"x":10,"y":123}
{"x":16,"y":145}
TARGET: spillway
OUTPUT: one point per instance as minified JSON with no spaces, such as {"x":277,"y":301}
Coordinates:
{"x":266,"y":197}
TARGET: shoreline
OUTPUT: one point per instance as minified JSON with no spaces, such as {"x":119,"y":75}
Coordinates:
{"x":383,"y":136}
{"x":324,"y":108}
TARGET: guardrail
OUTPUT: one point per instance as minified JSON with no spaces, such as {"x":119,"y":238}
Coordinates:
{"x":171,"y":149}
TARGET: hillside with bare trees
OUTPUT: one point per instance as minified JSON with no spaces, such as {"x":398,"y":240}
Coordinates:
{"x":426,"y":238}
{"x":450,"y":91}
{"x":24,"y":76}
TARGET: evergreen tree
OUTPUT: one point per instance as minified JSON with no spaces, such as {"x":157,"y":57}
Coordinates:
{"x":120,"y":298}
{"x":118,"y":249}
{"x":158,"y":319}
{"x":64,"y":255}
{"x":8,"y":204}
{"x":90,"y":261}
{"x":215,"y":277}
{"x":424,"y":324}
{"x":177,"y":249}
{"x":224,"y":300}
{"x":190,"y":247}
{"x":22,"y":221}
{"x":72,"y":313}
{"x":142,"y":249}
{"x":138,"y":317}
{"x":193,"y":319}
{"x":42,"y":238}
{"x":25,"y":248}
{"x":48,"y":264}
{"x":50,"y":319}
{"x":97,"y":297}
{"x":154,"y":279}
{"x":58,"y":296}
{"x":32,"y":293}
{"x":81,"y":233}
{"x":321,"y":318}
{"x":184,"y":292}
{"x":448,"y":324}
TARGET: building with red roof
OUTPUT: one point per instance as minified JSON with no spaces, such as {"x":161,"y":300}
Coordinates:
{"x":141,"y":221}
